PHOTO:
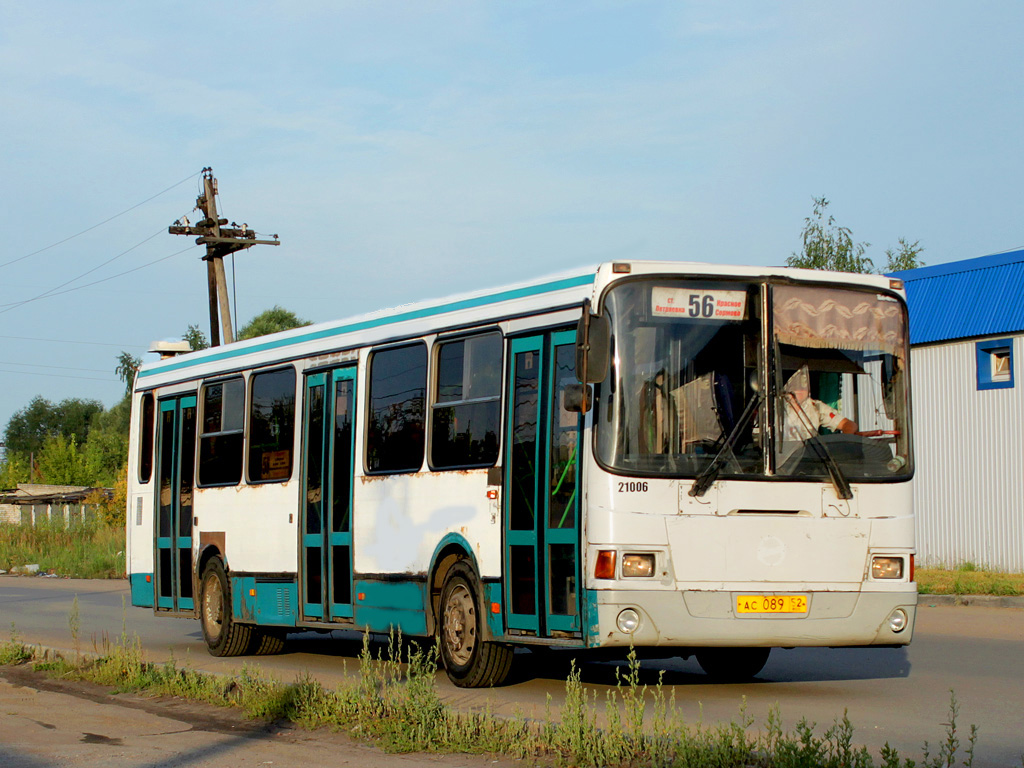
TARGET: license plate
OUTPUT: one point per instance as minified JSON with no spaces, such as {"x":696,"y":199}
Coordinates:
{"x":771,"y":604}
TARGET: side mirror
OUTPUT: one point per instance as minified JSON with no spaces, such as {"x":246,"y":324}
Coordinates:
{"x":577,"y":398}
{"x":593,"y":346}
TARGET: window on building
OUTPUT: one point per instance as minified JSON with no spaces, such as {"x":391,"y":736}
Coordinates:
{"x":466,"y":410}
{"x":398,"y":390}
{"x":995,"y":363}
{"x":220,"y":443}
{"x":146,"y":438}
{"x":271,"y":425}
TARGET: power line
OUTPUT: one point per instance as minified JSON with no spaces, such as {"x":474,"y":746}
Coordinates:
{"x":105,"y":221}
{"x":69,"y":341}
{"x":53,"y":291}
{"x":57,"y":375}
{"x":55,"y":367}
{"x":15,"y":305}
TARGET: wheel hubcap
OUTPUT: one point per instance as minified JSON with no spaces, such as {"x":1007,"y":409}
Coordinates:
{"x":213,"y":607}
{"x":460,"y":625}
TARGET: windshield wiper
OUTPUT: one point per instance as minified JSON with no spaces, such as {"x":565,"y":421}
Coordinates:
{"x":704,"y":480}
{"x":821,"y":450}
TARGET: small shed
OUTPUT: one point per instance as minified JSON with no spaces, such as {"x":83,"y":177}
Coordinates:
{"x":33,"y":502}
{"x":966,"y":337}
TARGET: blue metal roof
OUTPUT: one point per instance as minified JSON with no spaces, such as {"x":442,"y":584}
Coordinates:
{"x":964,"y":299}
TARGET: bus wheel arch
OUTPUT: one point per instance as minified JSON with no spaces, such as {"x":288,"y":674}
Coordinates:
{"x":450,"y":552}
{"x":471,"y":660}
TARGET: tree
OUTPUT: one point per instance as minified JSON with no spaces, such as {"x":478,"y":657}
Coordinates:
{"x":907,"y":257}
{"x":28,"y":428}
{"x":61,"y":462}
{"x":127,"y":367}
{"x":196,"y":338}
{"x":271,"y":321}
{"x":828,"y":246}
{"x":106,"y":449}
{"x":13,"y":470}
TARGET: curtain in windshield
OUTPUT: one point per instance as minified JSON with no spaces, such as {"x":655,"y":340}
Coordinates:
{"x":840,"y":382}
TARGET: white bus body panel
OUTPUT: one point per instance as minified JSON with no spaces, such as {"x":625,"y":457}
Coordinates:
{"x":414,"y":513}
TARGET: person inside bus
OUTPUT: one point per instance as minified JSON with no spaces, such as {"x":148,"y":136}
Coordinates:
{"x":803,"y":415}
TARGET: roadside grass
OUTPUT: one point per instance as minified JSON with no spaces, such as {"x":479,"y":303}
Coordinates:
{"x":394,"y":703}
{"x":968,"y":579}
{"x":89,"y":550}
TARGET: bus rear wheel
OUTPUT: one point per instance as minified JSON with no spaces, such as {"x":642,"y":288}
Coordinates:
{"x":223,"y":635}
{"x":732,"y":665}
{"x":469,"y":661}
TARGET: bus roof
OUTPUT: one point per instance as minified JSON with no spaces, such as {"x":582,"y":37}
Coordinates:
{"x":547,"y":294}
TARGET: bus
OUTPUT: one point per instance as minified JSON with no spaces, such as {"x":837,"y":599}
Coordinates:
{"x":680,"y":458}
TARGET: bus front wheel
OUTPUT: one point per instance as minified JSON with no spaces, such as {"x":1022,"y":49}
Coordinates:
{"x":469,"y":661}
{"x":223,"y":635}
{"x":732,"y":665}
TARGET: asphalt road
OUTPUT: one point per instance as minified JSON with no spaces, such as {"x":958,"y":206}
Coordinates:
{"x":897,"y":695}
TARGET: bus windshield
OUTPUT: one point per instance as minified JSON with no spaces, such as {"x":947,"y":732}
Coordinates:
{"x":839,"y":361}
{"x":685,"y":367}
{"x":693,"y":384}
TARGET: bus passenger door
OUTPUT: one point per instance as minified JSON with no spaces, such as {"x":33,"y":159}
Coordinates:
{"x":325,"y":565}
{"x":542,"y":529}
{"x":176,"y":461}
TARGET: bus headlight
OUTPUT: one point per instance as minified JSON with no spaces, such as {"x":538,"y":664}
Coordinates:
{"x":638,"y":565}
{"x":628,"y":621}
{"x":898,"y":620}
{"x":887,"y":568}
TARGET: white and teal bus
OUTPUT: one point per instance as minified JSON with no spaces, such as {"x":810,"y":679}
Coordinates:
{"x":683,"y":458}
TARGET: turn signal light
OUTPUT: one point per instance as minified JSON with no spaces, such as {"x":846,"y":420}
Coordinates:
{"x":605,"y":568}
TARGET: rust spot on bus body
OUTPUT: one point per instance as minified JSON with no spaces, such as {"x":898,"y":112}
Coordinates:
{"x":367,"y":479}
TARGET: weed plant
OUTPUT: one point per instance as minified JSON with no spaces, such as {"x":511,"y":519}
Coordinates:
{"x":968,"y":579}
{"x":78,"y":550}
{"x":395,"y":703}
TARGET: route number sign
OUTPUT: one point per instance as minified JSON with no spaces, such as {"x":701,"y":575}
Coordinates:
{"x":697,"y":304}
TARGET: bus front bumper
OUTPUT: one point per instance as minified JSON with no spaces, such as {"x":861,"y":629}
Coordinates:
{"x":693,"y":619}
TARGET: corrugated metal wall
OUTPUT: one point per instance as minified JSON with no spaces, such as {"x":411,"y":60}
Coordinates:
{"x":969,"y":444}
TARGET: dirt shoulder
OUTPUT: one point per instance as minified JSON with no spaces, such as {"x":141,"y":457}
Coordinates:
{"x":47,"y":722}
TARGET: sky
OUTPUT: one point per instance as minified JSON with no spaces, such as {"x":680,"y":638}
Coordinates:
{"x":409,"y":150}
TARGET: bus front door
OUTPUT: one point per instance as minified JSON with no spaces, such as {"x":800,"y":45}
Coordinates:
{"x":542,"y":529}
{"x":325,"y":564}
{"x":176,"y":438}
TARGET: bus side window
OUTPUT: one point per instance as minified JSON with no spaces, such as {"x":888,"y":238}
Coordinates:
{"x":271,"y":425}
{"x":398,"y":393}
{"x":220,"y":444}
{"x":466,"y":412}
{"x":146,"y":428}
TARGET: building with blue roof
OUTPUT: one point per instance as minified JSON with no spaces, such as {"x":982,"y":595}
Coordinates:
{"x":966,"y":336}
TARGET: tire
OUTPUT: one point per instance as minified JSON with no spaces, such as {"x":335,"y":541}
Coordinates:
{"x":223,"y":635}
{"x":469,"y":661}
{"x":732,"y":665}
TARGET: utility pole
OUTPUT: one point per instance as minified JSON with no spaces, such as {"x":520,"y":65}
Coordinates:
{"x":219,"y":241}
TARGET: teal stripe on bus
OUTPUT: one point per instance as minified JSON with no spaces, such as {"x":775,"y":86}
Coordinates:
{"x":385,"y":605}
{"x":419,"y":314}
{"x":141,"y":589}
